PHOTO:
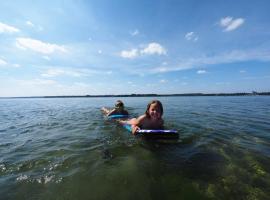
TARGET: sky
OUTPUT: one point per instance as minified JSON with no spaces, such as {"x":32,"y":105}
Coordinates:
{"x":133,"y":46}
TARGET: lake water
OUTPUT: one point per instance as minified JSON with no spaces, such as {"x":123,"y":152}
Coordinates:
{"x":63,"y":148}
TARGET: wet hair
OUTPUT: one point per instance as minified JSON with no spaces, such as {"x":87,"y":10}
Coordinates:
{"x":119,"y":104}
{"x":154,"y":102}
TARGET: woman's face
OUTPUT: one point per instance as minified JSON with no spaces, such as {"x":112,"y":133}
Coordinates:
{"x":154,"y":111}
{"x":119,"y":107}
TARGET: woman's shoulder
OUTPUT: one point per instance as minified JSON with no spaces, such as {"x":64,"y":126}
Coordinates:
{"x":142,"y":118}
{"x":125,"y":112}
{"x":112,"y":112}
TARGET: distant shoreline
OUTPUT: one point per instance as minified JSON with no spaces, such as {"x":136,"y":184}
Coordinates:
{"x":149,"y":95}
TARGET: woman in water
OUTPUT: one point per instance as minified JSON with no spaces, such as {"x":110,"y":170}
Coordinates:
{"x":119,"y":109}
{"x":152,"y":119}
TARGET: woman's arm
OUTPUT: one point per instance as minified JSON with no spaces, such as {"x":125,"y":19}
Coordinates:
{"x":134,"y":122}
{"x":105,"y":110}
{"x":137,"y":123}
{"x":111,"y":112}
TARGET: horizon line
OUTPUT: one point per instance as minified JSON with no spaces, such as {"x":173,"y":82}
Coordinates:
{"x":146,"y":95}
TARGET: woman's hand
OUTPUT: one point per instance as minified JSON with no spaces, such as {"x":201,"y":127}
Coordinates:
{"x":105,"y":110}
{"x":134,"y":129}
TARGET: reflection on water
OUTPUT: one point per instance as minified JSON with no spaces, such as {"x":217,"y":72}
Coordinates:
{"x":66,"y":149}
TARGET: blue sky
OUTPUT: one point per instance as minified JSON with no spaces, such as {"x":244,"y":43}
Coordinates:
{"x":128,"y":46}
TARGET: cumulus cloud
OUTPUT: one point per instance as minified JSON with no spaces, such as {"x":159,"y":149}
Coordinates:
{"x":201,"y":72}
{"x":191,"y":36}
{"x":134,"y":33}
{"x":129,"y":54}
{"x":4,"y":28}
{"x":230,"y":24}
{"x":154,"y":48}
{"x":150,"y":49}
{"x":39,"y":46}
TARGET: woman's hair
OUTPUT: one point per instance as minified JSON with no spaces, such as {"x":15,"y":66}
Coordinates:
{"x":119,"y":104}
{"x":154,"y":102}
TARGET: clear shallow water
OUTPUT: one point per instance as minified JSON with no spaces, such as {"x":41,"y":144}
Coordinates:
{"x":65,"y":149}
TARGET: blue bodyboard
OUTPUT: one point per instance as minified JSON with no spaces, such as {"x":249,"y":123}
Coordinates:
{"x":148,"y":133}
{"x":117,"y":116}
{"x":154,"y":134}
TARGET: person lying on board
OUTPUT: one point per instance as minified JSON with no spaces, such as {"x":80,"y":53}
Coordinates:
{"x":119,"y":109}
{"x":152,"y":119}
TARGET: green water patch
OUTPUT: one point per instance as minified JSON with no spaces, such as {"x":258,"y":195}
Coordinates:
{"x":244,"y":176}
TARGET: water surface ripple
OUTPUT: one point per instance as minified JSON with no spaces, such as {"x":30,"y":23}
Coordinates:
{"x":63,"y":148}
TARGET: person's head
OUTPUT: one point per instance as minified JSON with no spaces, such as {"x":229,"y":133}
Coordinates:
{"x":154,"y":109}
{"x":119,"y":105}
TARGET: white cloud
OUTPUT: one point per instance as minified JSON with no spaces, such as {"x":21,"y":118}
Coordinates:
{"x":163,"y":69}
{"x":134,"y":33}
{"x":37,"y":27}
{"x":205,"y":61}
{"x":2,"y":62}
{"x":5,"y":63}
{"x":16,"y":65}
{"x":39,"y":46}
{"x":129,"y":54}
{"x":53,"y":73}
{"x":46,"y":58}
{"x":99,"y":51}
{"x":4,"y":28}
{"x":37,"y":82}
{"x":29,"y":23}
{"x":45,"y":87}
{"x":163,"y":81}
{"x":226,"y":21}
{"x":150,"y":49}
{"x":201,"y":72}
{"x":154,"y":48}
{"x":230,"y":24}
{"x":242,"y":71}
{"x":191,"y":36}
{"x":60,"y":71}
